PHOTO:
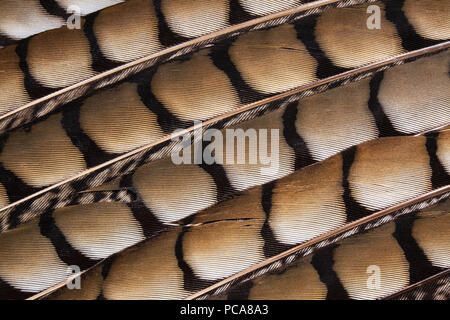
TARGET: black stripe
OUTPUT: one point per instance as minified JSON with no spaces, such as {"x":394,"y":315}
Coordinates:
{"x":92,"y":153}
{"x":439,"y":176}
{"x":238,"y":14}
{"x":166,"y":36}
{"x":16,"y":188}
{"x":97,"y":196}
{"x":150,"y":225}
{"x":166,"y":120}
{"x":101,"y":296}
{"x":5,"y":40}
{"x":8,"y":292}
{"x":15,"y":214}
{"x":353,"y":209}
{"x":271,"y":246}
{"x":100,"y":63}
{"x":221,"y":59}
{"x":419,"y":266}
{"x":303,"y":157}
{"x":191,"y":281}
{"x":66,"y":252}
{"x":225,"y":190}
{"x":126,"y":181}
{"x":148,"y":221}
{"x":123,"y":196}
{"x":33,"y":87}
{"x":323,"y":262}
{"x":106,"y":267}
{"x":384,"y":125}
{"x":53,"y":8}
{"x":410,"y":39}
{"x":305,"y":28}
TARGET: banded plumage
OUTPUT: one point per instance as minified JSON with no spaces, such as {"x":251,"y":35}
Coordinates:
{"x":31,"y":17}
{"x":265,"y":221}
{"x":432,"y":288}
{"x":362,"y":141}
{"x":162,"y":99}
{"x":403,"y":253}
{"x":161,"y":29}
{"x":329,"y":194}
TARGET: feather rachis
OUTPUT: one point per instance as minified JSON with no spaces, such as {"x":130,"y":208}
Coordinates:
{"x":86,"y":143}
{"x":339,"y":151}
{"x":296,"y":217}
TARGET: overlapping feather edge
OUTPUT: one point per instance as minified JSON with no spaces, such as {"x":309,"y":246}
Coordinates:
{"x":90,"y":199}
{"x":66,"y":191}
{"x":289,"y":257}
{"x":436,"y":287}
{"x":285,"y":96}
{"x":51,"y":10}
{"x":286,"y":257}
{"x":46,"y":104}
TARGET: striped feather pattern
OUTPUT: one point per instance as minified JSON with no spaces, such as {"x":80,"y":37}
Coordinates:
{"x":432,"y":288}
{"x":31,"y":17}
{"x":361,"y":121}
{"x":209,"y":83}
{"x":260,"y":223}
{"x":111,"y":37}
{"x":149,"y":200}
{"x":31,"y":157}
{"x":266,"y":221}
{"x":406,"y":252}
{"x":34,"y":79}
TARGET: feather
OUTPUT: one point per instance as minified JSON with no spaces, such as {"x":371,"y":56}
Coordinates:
{"x":403,"y":253}
{"x":149,"y":200}
{"x":210,"y":85}
{"x":86,"y":64}
{"x":433,"y":288}
{"x":265,"y":221}
{"x":79,"y":235}
{"x":32,"y":16}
